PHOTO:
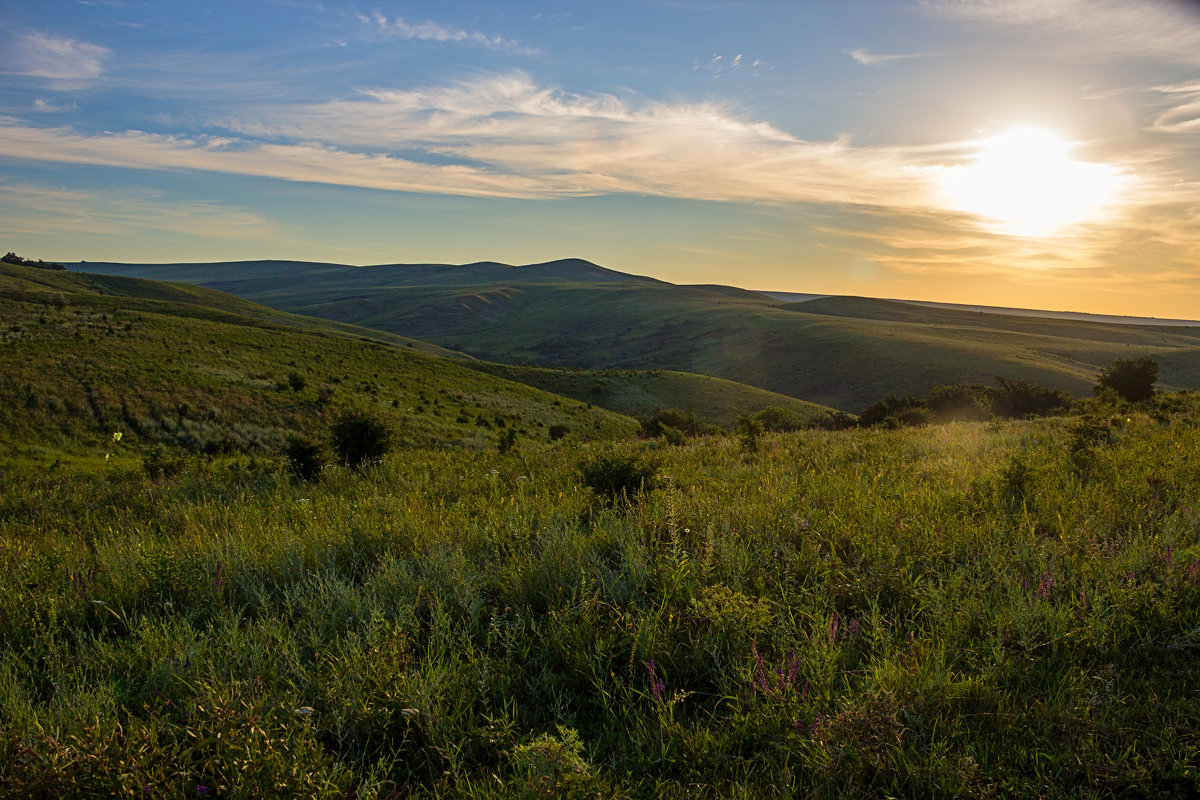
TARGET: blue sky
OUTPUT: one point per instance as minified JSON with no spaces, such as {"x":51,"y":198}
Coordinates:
{"x":1040,"y":153}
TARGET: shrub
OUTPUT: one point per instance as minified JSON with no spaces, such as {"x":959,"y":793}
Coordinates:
{"x":894,"y":412}
{"x":508,"y":440}
{"x":557,"y":432}
{"x":685,"y":421}
{"x":962,"y":402}
{"x":359,"y":436}
{"x":553,"y":766}
{"x":305,"y":457}
{"x":296,"y":381}
{"x":1019,"y":398}
{"x":1131,"y":378}
{"x":779,"y":420}
{"x":749,"y":431}
{"x":616,"y":476}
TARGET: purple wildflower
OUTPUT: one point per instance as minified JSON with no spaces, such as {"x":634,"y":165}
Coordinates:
{"x":656,"y":686}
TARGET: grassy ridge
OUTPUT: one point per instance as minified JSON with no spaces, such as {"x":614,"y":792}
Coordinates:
{"x":639,"y":393}
{"x":976,"y":610}
{"x":842,"y":352}
{"x":81,"y":362}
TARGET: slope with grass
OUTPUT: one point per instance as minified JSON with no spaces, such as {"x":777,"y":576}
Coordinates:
{"x":842,"y":352}
{"x":972,"y":610}
{"x":639,"y":393}
{"x":86,"y":356}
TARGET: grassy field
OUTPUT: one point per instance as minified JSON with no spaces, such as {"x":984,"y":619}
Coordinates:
{"x":991,"y":609}
{"x":979,"y":610}
{"x":843,"y":352}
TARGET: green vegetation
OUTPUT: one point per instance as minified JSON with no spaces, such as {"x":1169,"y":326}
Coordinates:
{"x":842,"y":352}
{"x":199,"y":377}
{"x":643,"y":393}
{"x":403,"y":577}
{"x":962,"y":610}
{"x":1132,"y":379}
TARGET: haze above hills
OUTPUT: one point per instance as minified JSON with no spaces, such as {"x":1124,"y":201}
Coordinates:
{"x":845,"y":352}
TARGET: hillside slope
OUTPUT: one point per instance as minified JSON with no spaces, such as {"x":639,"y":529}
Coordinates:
{"x":838,"y":351}
{"x":639,"y":393}
{"x":85,"y":356}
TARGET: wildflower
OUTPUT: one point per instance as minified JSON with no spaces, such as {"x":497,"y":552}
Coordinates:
{"x":304,"y":711}
{"x":116,"y":436}
{"x":656,"y":686}
{"x":409,"y":712}
{"x":201,"y":788}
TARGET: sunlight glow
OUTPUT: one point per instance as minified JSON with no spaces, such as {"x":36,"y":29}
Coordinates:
{"x":1026,"y":183}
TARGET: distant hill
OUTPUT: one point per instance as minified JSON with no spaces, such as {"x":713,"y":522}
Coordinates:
{"x":1079,"y":316}
{"x":84,"y":356}
{"x":835,"y":351}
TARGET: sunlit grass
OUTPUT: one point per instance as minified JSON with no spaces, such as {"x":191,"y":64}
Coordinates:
{"x":962,"y":610}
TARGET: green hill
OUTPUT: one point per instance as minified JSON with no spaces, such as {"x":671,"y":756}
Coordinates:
{"x":841,"y":352}
{"x":639,"y":393}
{"x":84,"y":356}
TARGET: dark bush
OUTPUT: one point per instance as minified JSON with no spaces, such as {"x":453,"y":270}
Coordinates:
{"x":359,"y":436}
{"x":305,"y":457}
{"x":962,"y":402}
{"x":750,"y":430}
{"x":779,"y":420}
{"x":894,"y":412}
{"x":1017,"y":398}
{"x":296,"y":381}
{"x":557,"y":432}
{"x":1131,"y":378}
{"x":685,"y":421}
{"x":617,"y":476}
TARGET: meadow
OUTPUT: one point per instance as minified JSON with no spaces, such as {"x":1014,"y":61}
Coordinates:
{"x":970,"y":610}
{"x":522,"y":598}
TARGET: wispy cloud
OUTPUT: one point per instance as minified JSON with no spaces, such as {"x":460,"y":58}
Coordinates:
{"x":67,"y":63}
{"x":429,"y":31}
{"x":1183,"y":115}
{"x":868,"y":59}
{"x":1163,"y":29}
{"x":557,"y":143}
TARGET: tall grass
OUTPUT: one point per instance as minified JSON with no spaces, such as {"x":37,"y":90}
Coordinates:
{"x":967,"y":610}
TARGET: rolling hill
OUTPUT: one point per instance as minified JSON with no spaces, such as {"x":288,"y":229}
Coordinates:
{"x":639,"y":393}
{"x":844,"y":352}
{"x":84,"y":356}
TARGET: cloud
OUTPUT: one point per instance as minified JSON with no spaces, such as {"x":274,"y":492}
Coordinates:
{"x":557,"y":144}
{"x":44,"y":106}
{"x":35,"y":210}
{"x":504,"y":136}
{"x":1184,"y":114}
{"x":434,"y":32}
{"x":66,"y":62}
{"x":868,"y":59}
{"x":1161,"y":29}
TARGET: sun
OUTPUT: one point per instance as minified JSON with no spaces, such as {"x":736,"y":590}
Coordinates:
{"x":1025,"y":183}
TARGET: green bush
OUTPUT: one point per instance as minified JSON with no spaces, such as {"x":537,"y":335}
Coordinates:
{"x":557,"y":432}
{"x":1131,"y":378}
{"x":617,"y":476}
{"x":359,"y":437}
{"x":685,"y":421}
{"x":779,"y":420}
{"x":305,"y":457}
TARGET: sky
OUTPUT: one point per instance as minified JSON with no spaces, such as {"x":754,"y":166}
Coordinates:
{"x":1029,"y":153}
